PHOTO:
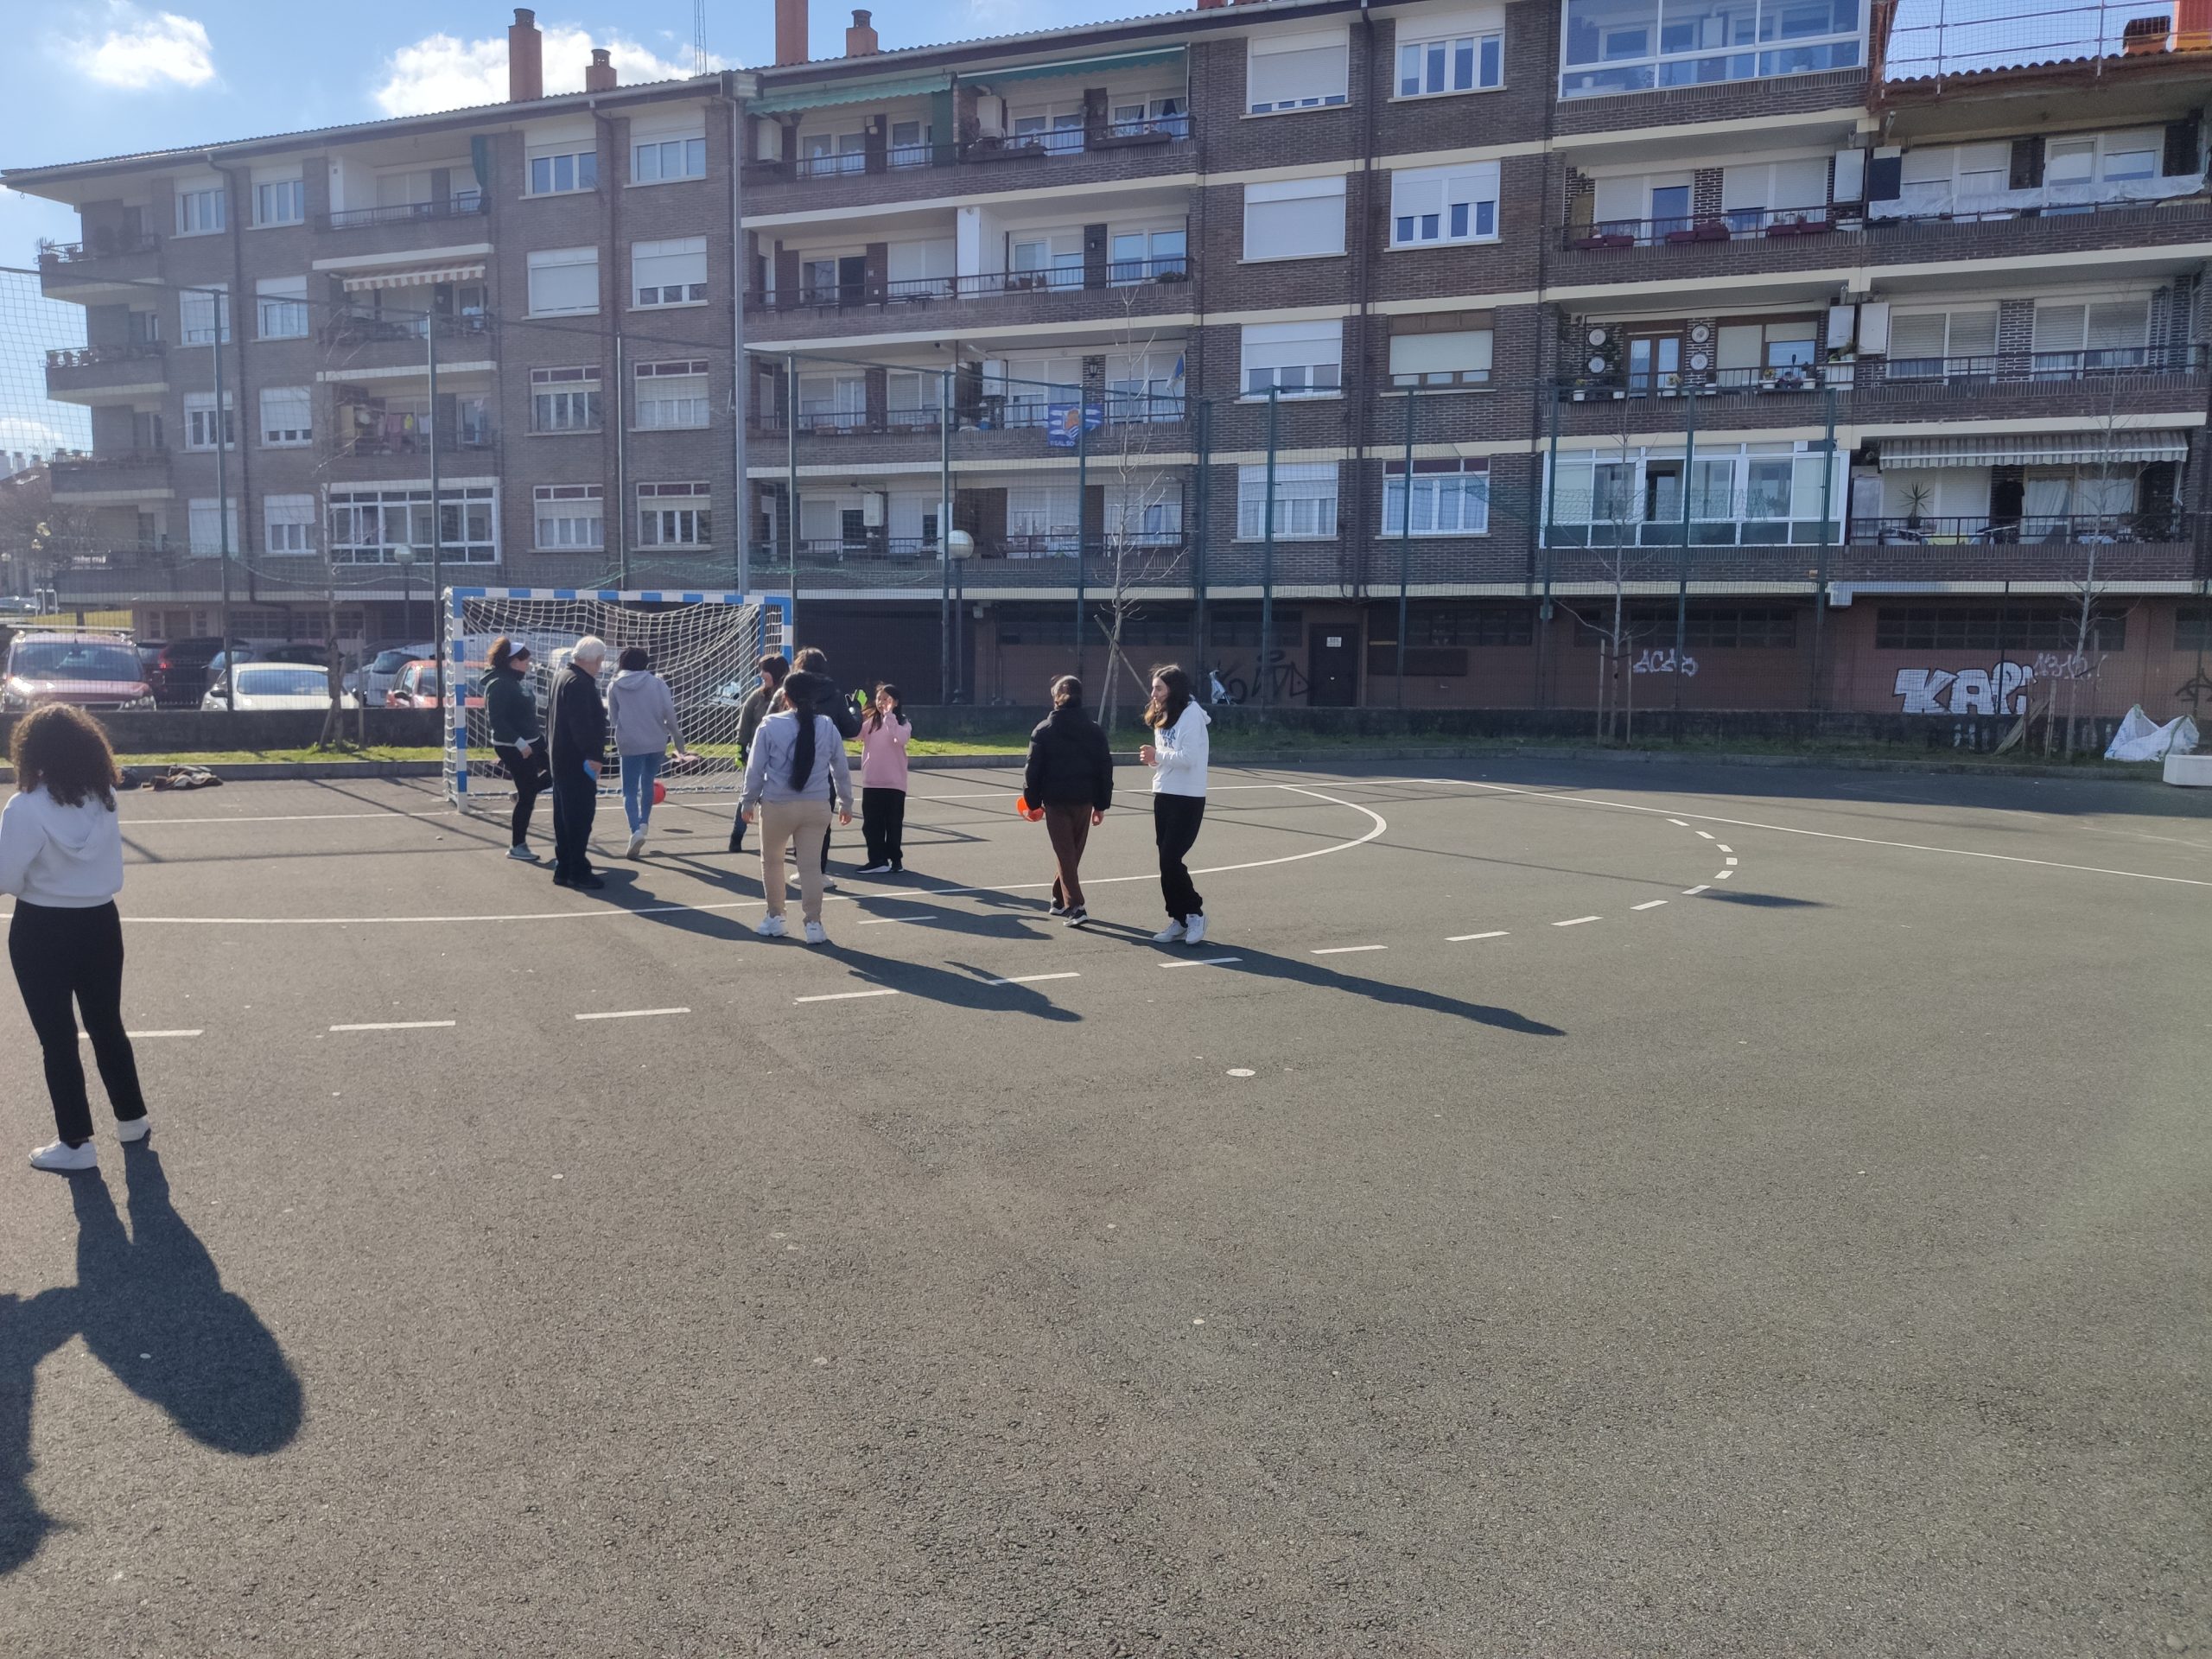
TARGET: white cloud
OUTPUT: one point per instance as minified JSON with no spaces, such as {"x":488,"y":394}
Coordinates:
{"x":440,"y":73}
{"x":138,"y":52}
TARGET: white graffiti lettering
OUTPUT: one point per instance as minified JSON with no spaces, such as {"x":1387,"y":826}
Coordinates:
{"x":1664,"y":662}
{"x":1996,"y":690}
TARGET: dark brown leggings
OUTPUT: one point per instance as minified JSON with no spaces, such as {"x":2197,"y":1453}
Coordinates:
{"x":1069,"y":826}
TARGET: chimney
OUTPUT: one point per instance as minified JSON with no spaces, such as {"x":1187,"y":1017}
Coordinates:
{"x":526,"y":59}
{"x":859,"y":39}
{"x":791,"y":32}
{"x":599,"y":76}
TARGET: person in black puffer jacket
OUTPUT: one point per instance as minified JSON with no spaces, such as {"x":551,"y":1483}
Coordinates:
{"x":1070,"y":775}
{"x":838,"y":708}
{"x":515,"y":737}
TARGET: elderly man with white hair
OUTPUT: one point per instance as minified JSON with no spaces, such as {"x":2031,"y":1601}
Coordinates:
{"x":576,"y":744}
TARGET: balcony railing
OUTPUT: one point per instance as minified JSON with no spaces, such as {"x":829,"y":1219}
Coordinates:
{"x":1740,"y":225}
{"x":911,"y":290}
{"x":461,"y":205}
{"x":1852,"y":219}
{"x":2158,"y":365}
{"x":1060,"y":142}
{"x":2022,"y":529}
{"x":90,"y":357}
{"x":361,"y":329}
{"x":113,"y":247}
{"x":416,"y":440}
{"x":1670,"y":382}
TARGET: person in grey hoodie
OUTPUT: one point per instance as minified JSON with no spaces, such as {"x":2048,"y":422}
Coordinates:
{"x":796,"y":772}
{"x":642,"y":710}
{"x":61,"y":858}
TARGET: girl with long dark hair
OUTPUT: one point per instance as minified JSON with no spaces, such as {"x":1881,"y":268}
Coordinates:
{"x":61,"y":857}
{"x":1070,"y":776}
{"x":795,"y":771}
{"x":516,"y":737}
{"x":884,"y":735}
{"x":1178,"y":760}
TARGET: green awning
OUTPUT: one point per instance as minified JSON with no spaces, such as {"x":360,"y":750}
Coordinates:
{"x":849,"y":91}
{"x":997,"y":78}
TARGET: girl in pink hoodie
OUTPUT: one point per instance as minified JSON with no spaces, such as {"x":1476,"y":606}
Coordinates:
{"x":883,"y":783}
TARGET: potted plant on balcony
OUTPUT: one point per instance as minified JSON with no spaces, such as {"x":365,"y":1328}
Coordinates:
{"x":1916,"y":498}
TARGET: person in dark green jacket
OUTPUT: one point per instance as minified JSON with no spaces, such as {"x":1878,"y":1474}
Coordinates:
{"x":516,"y":737}
{"x":750,"y":713}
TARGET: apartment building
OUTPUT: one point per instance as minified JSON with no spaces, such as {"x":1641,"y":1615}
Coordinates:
{"x":532,"y":304}
{"x":1862,"y":364}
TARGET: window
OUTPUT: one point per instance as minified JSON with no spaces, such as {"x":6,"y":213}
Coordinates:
{"x":145,"y":327}
{"x":570,"y":516}
{"x":671,"y":394}
{"x":1294,"y":218}
{"x":563,"y":282}
{"x":1703,"y":627}
{"x":1144,"y":386}
{"x":825,"y":153}
{"x":1305,"y":501}
{"x":1140,"y":256}
{"x":1932,"y":180}
{"x":1632,"y":46}
{"x":1298,"y":358}
{"x":1449,"y":498}
{"x":1057,"y":128}
{"x":670,"y":273}
{"x":564,"y":400}
{"x":912,"y":396}
{"x":674,"y":515}
{"x":201,"y":312}
{"x":2104,"y":157}
{"x":288,"y":524}
{"x":280,"y":307}
{"x":212,"y":534}
{"x":1307,"y":71}
{"x":912,"y":144}
{"x":832,"y":401}
{"x":1459,"y":357}
{"x":2110,"y":335}
{"x":1454,"y":203}
{"x":1446,"y":57}
{"x":661,"y":160}
{"x":1760,"y":194}
{"x":2192,"y":627}
{"x":1045,"y":259}
{"x":1637,"y":204}
{"x":1929,"y":344}
{"x":561,"y":170}
{"x":200,"y":421}
{"x":365,"y":525}
{"x":1166,"y":114}
{"x":1030,"y":385}
{"x":286,"y":422}
{"x":280,"y":201}
{"x":1756,"y":353}
{"x":1994,"y":627}
{"x":1750,"y":495}
{"x":201,"y":210}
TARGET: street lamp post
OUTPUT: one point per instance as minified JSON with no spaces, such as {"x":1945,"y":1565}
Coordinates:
{"x":403,"y":556}
{"x":960,"y":546}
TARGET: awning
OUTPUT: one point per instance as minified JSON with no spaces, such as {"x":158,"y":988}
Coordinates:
{"x":995,"y":79}
{"x":414,"y":279}
{"x":849,"y":91}
{"x":2035,"y":449}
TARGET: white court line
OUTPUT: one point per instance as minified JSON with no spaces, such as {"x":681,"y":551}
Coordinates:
{"x":1461,"y":939}
{"x":1648,"y":904}
{"x":1706,"y":833}
{"x":1722,"y":846}
{"x":1722,"y":875}
{"x":287,"y":818}
{"x":1210,"y":962}
{"x":1678,"y":823}
{"x":632,"y":1013}
{"x":398,"y":1024}
{"x":1731,"y":862}
{"x":136,"y":1036}
{"x":1577,"y":921}
{"x":878,"y":921}
{"x":1031,"y":979}
{"x":1346,"y":949}
{"x":1700,"y":887}
{"x":846,"y":996}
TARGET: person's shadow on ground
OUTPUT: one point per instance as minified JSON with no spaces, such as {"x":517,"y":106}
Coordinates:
{"x":1262,"y":965}
{"x":152,"y":1308}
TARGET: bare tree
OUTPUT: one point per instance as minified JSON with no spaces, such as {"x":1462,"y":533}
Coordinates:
{"x":2111,"y":476}
{"x":1140,"y":550}
{"x":1617,"y":549}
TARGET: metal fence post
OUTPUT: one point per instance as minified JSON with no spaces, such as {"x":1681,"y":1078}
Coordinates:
{"x":943,"y":533}
{"x":1812,"y":697}
{"x":790,"y":485}
{"x":223,"y":428}
{"x":1405,"y":544}
{"x":1200,"y":644}
{"x":1682,"y":584}
{"x":1268,"y":557}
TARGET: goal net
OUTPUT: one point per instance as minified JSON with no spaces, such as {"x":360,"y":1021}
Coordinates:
{"x":705,"y":646}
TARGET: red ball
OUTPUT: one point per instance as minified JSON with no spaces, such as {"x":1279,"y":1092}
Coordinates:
{"x":660,"y":791}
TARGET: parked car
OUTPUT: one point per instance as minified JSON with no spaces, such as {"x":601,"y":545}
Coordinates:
{"x":96,"y":670}
{"x":273,"y":685}
{"x":14,"y":605}
{"x":179,"y":677}
{"x":416,"y":686}
{"x":383,"y":668}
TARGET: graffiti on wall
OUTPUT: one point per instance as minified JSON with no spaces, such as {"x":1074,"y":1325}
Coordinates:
{"x":1279,"y":681}
{"x":1996,"y":690}
{"x":1664,"y":662}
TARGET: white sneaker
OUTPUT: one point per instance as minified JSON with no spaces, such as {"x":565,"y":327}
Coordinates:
{"x":523,"y":854}
{"x":769,"y":927}
{"x":1171,"y":934}
{"x":828,"y":885}
{"x":637,"y":844}
{"x":1075,"y":918}
{"x":815,"y":935}
{"x":1194,"y":931}
{"x":136,"y":1129}
{"x":66,"y":1159}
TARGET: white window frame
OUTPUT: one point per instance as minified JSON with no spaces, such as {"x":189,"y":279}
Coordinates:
{"x":1952,"y":317}
{"x":203,"y":209}
{"x":582,"y":156}
{"x":202,"y":528}
{"x":1328,"y":189}
{"x":200,"y":421}
{"x":1768,"y":57}
{"x":564,"y":259}
{"x":1465,"y":195}
{"x":2087,"y":355}
{"x":280,"y":308}
{"x":568,"y":518}
{"x":1442,"y":379}
{"x":1306,"y":501}
{"x":1570,"y":482}
{"x":299,"y":398}
{"x":1475,"y":43}
{"x":675,"y":515}
{"x":1057,"y":126}
{"x":650,"y":154}
{"x":347,"y":509}
{"x":1319,"y":345}
{"x":1458,"y":490}
{"x":2102,"y":147}
{"x":288,"y":524}
{"x":1330,"y":92}
{"x":284,"y":194}
{"x":203,"y":316}
{"x":686,"y":292}
{"x":1958,"y":181}
{"x":571,"y":389}
{"x":673,"y":410}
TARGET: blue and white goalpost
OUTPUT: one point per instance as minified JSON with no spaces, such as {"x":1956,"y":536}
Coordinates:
{"x":704,"y":645}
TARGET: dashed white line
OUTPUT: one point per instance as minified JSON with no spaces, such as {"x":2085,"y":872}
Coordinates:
{"x":1731,"y":863}
{"x":1461,"y":939}
{"x":398,"y":1024}
{"x":1723,"y":846}
{"x":1678,"y":823}
{"x":1705,"y":835}
{"x":878,"y":921}
{"x":632,"y":1013}
{"x":1722,"y":875}
{"x":1700,"y":887}
{"x":1577,"y":921}
{"x":1648,"y":904}
{"x":1030,"y":979}
{"x":1346,"y":949}
{"x":138,"y":1036}
{"x":1210,"y":962}
{"x":846,"y":996}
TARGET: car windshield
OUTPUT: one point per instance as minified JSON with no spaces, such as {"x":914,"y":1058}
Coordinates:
{"x":281,"y":680}
{"x":388,"y":662}
{"x":72,"y":660}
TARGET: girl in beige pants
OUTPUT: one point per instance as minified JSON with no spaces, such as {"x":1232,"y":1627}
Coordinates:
{"x":805,"y":822}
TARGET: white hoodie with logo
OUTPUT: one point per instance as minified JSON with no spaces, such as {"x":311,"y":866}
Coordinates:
{"x":64,"y":857}
{"x":1180,"y":752}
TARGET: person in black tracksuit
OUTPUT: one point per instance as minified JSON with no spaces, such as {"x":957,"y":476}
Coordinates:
{"x":515,"y":736}
{"x":1070,"y":775}
{"x":839,"y":708}
{"x":577,"y":742}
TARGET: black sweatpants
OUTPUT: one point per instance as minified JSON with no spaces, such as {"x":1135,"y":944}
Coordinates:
{"x":68,"y":962}
{"x":576,"y":803}
{"x":1175,"y":827}
{"x":532,"y":777}
{"x":883,"y":821}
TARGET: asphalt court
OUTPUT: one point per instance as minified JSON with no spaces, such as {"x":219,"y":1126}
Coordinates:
{"x":1561,"y":1209}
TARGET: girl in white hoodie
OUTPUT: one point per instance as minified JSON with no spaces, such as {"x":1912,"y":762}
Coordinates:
{"x":61,"y":857}
{"x":1178,"y":797}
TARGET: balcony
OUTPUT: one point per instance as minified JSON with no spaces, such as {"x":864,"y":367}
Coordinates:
{"x":1045,"y":563}
{"x":408,"y":438}
{"x":1114,"y":150}
{"x":364,"y":341}
{"x":71,"y":270}
{"x":467,"y":204}
{"x":94,"y":374}
{"x":1059,"y":144}
{"x":119,"y":477}
{"x":1104,"y":291}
